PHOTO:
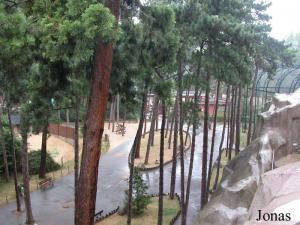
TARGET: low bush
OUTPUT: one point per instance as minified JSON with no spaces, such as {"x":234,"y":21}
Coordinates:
{"x":34,"y":159}
{"x":140,"y":198}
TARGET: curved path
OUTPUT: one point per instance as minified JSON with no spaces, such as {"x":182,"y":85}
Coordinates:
{"x":55,"y":206}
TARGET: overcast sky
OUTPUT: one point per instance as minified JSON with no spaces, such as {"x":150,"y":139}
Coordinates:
{"x":285,"y":17}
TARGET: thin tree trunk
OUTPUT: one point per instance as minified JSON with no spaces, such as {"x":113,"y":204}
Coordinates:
{"x":139,"y":134}
{"x":205,"y":145}
{"x":232,"y":126}
{"x":251,"y":107}
{"x":42,"y":172}
{"x":133,"y":153}
{"x":68,"y":115}
{"x":175,"y":147}
{"x":167,"y":122}
{"x":118,"y":108}
{"x":15,"y":172}
{"x":155,"y":121}
{"x":114,"y":114}
{"x":151,"y":132}
{"x":256,"y":100}
{"x":58,"y":114}
{"x":181,"y":147}
{"x":156,"y":124}
{"x":123,"y":131}
{"x":145,"y":124}
{"x":76,"y":156}
{"x":228,"y":122}
{"x":27,"y":200}
{"x":171,"y":130}
{"x":188,"y":187}
{"x":238,"y":121}
{"x":211,"y":157}
{"x":110,"y":113}
{"x":161,"y":166}
{"x":5,"y":164}
{"x":222,"y":140}
{"x":246,"y":109}
{"x":187,"y":99}
{"x":88,"y":178}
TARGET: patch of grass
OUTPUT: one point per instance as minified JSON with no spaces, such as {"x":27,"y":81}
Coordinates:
{"x":171,"y":207}
{"x":7,"y":190}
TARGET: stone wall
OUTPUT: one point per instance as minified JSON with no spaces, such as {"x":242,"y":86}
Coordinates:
{"x":276,"y":135}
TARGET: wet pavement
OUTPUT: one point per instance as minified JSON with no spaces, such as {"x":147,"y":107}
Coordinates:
{"x":55,"y":206}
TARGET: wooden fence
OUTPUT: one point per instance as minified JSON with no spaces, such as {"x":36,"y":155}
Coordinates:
{"x":61,"y":130}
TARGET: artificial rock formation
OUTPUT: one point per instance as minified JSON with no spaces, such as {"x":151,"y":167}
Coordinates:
{"x":277,"y":134}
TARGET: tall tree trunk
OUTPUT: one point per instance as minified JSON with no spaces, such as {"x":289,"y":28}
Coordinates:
{"x":222,"y":140}
{"x":42,"y":172}
{"x":27,"y":200}
{"x":151,"y":132}
{"x":161,"y":166}
{"x":232,"y":122}
{"x":171,"y":130}
{"x":5,"y":164}
{"x":256,"y":100}
{"x":238,"y":121}
{"x":211,"y":157}
{"x":114,"y":114}
{"x":246,"y":109}
{"x":175,"y":147}
{"x":76,"y":156}
{"x":118,"y":108}
{"x":15,"y":172}
{"x":58,"y":115}
{"x":156,"y":124}
{"x":87,"y":184}
{"x":188,"y":187}
{"x":187,"y":99}
{"x":251,"y":107}
{"x":110,"y":113}
{"x":228,"y":123}
{"x":181,"y":147}
{"x":167,"y":122}
{"x":68,"y":115}
{"x":139,"y":134}
{"x":145,"y":121}
{"x":133,"y":153}
{"x":205,"y":145}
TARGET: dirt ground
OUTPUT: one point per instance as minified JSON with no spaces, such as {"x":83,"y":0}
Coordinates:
{"x":58,"y":148}
{"x":154,"y":151}
{"x":117,"y":139}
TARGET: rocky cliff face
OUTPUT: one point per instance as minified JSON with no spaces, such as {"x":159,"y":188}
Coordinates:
{"x":277,"y":135}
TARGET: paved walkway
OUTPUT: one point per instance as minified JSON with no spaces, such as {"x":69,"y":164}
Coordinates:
{"x":55,"y":206}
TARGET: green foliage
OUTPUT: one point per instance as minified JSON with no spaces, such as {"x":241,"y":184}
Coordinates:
{"x":34,"y":159}
{"x":140,"y":199}
{"x":9,"y":148}
{"x":294,"y":40}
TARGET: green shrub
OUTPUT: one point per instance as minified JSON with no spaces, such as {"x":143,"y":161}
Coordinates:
{"x":140,"y":198}
{"x":34,"y":159}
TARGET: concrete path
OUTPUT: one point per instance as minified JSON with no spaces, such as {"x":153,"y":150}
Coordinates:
{"x":55,"y":206}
